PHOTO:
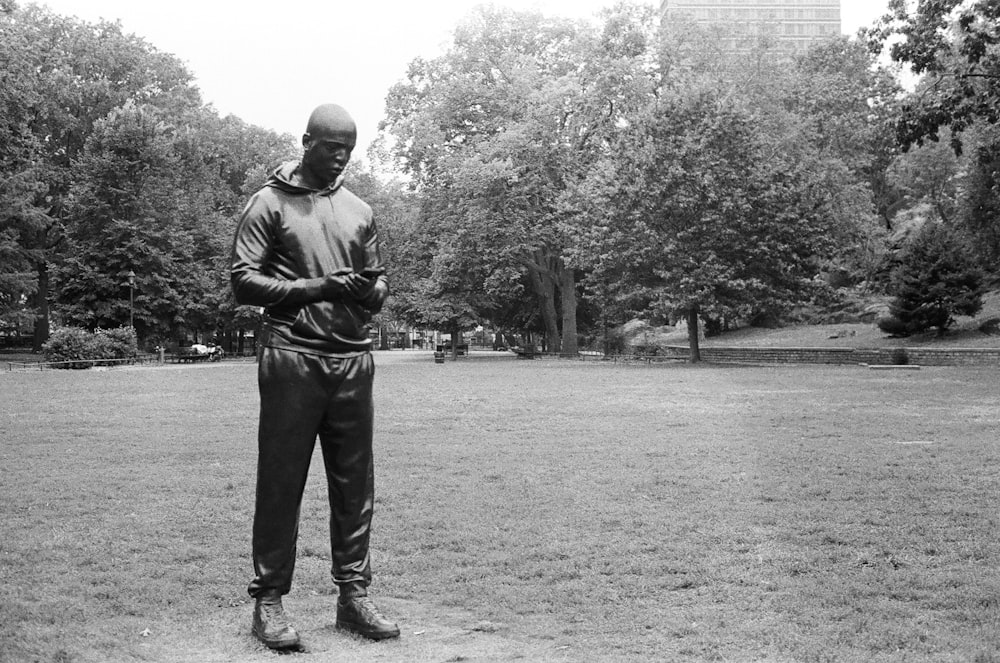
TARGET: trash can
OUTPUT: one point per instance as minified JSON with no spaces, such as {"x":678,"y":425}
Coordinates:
{"x":439,"y":357}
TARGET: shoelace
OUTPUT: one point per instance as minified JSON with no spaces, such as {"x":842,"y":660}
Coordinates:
{"x":274,"y":612}
{"x":367,"y":605}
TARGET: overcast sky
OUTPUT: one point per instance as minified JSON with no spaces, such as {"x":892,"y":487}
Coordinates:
{"x":272,"y":63}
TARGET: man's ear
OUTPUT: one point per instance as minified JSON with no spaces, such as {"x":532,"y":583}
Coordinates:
{"x":306,"y":139}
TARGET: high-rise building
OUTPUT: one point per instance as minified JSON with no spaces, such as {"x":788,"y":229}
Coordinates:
{"x":794,"y":23}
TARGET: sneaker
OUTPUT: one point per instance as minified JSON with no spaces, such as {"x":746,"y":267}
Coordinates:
{"x":271,"y":626}
{"x":359,"y":615}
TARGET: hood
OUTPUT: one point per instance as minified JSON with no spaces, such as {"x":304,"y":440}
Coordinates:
{"x":286,"y":178}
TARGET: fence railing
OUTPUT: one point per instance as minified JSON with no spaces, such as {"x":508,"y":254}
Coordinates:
{"x":141,"y":358}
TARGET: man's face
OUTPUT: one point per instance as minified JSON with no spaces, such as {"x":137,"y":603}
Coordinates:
{"x":326,"y":156}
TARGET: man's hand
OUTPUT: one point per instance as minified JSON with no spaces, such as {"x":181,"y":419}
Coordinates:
{"x":374,"y":295}
{"x":345,"y":285}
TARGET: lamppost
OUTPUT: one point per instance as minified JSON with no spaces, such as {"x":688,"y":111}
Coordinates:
{"x":131,"y":301}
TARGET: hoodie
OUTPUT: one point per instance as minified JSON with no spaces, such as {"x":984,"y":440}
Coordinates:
{"x":290,"y":237}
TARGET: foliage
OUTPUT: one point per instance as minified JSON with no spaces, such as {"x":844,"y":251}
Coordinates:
{"x":979,"y":206}
{"x":935,"y":279}
{"x":850,"y":104}
{"x":931,"y":173}
{"x":494,"y":132}
{"x":59,"y":77}
{"x":148,"y":200}
{"x":542,"y":154}
{"x":109,"y":163}
{"x":525,"y":143}
{"x":699,"y":215}
{"x":892,"y":326}
{"x":955,"y":46}
{"x":72,"y":346}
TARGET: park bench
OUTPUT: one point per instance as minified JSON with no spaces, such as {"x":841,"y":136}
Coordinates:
{"x":186,"y":355}
{"x":463,"y":349}
{"x":526,"y":353}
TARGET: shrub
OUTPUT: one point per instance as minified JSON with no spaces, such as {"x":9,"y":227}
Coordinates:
{"x":77,"y":348}
{"x":990,"y":326}
{"x":936,"y":279}
{"x":117,"y":343}
{"x":68,"y":344}
{"x":892,"y":326}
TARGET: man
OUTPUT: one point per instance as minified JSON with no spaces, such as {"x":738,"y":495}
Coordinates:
{"x":306,"y":249}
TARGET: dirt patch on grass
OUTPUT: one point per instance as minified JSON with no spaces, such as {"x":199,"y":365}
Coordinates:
{"x":429,"y":632}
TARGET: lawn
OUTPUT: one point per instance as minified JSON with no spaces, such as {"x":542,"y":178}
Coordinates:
{"x":527,"y":510}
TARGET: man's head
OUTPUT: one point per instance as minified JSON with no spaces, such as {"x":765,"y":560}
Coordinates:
{"x":330,"y":136}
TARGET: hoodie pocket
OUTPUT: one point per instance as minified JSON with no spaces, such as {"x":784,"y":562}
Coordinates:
{"x":331,"y":320}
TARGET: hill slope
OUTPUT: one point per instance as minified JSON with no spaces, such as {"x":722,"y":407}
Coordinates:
{"x":966,"y":333}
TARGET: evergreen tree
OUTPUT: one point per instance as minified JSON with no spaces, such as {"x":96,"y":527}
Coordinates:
{"x":935,"y":280}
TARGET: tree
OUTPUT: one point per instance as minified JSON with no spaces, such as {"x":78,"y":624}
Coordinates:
{"x":930,"y":173}
{"x":700,"y":217}
{"x":495,"y":131}
{"x":157,"y":193}
{"x":955,"y":46}
{"x":979,"y":207}
{"x":934,"y":281}
{"x":18,"y":218}
{"x":396,"y":211}
{"x":851,"y":104}
{"x":60,"y":76}
{"x":234,"y":160}
{"x":128,"y":214}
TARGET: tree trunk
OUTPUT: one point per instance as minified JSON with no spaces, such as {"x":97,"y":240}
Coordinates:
{"x":567,"y":292}
{"x":42,"y":308}
{"x":545,"y":288}
{"x":692,"y":324}
{"x":383,"y":335}
{"x":454,"y":342}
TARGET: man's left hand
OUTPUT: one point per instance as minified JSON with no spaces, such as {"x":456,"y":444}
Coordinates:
{"x":373,"y":295}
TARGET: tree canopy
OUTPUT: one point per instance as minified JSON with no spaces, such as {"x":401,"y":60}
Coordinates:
{"x":612,"y":161}
{"x":555,"y":176}
{"x":110,"y":163}
{"x":955,"y":46}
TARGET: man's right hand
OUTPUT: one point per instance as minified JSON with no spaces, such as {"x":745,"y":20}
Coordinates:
{"x":341,"y":286}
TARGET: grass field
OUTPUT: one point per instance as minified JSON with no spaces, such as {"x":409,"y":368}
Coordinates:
{"x":533,"y":511}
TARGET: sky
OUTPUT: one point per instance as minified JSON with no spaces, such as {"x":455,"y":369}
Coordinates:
{"x":271,"y":63}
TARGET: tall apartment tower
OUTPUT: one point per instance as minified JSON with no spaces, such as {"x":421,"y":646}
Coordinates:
{"x":794,"y":23}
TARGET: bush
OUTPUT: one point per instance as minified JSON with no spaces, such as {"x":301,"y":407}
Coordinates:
{"x":990,"y":326}
{"x":892,"y":326}
{"x":117,"y":343}
{"x":936,"y":279}
{"x":77,"y":348}
{"x":68,"y":344}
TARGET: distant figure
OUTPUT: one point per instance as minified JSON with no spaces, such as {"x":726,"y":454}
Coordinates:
{"x":307,"y":250}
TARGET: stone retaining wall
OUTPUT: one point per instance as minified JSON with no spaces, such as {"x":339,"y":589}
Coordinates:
{"x":878,"y":356}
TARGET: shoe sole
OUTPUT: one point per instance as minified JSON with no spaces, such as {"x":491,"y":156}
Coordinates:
{"x":371,"y":635}
{"x":277,"y":644}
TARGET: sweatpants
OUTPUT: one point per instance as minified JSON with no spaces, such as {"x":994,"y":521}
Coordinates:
{"x":302,"y":397}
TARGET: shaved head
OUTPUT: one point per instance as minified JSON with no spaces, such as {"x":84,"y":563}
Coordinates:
{"x":332,"y":122}
{"x":328,"y":142}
